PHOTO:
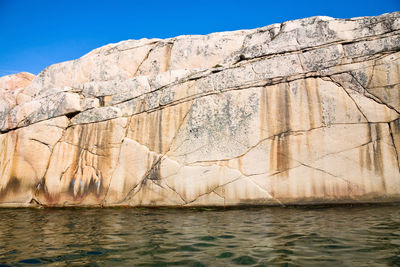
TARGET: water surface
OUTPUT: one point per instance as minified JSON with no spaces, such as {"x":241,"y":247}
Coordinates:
{"x":333,"y":236}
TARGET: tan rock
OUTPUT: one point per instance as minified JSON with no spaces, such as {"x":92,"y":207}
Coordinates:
{"x":302,"y":112}
{"x":15,"y":81}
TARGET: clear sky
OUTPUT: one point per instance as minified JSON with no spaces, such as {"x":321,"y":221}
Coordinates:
{"x":36,"y":34}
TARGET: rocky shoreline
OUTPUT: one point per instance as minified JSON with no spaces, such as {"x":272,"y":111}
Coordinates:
{"x":298,"y":113}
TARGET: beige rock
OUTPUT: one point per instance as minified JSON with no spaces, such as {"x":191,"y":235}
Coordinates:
{"x":11,"y":91}
{"x":302,"y":112}
{"x":24,"y":159}
{"x":15,"y":81}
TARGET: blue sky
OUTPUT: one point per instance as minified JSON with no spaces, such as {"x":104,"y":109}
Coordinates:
{"x":36,"y":34}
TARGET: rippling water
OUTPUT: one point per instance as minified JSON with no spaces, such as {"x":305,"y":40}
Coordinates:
{"x":350,"y":236}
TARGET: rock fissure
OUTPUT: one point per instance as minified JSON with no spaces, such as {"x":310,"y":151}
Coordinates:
{"x":85,"y":149}
{"x":213,"y":190}
{"x":180,"y":196}
{"x":41,"y":142}
{"x":374,"y":97}
{"x":268,"y":193}
{"x":260,"y":83}
{"x":330,"y":174}
{"x":310,"y":48}
{"x":281,"y":134}
{"x":349,"y":95}
{"x":395,"y":147}
{"x":144,"y":59}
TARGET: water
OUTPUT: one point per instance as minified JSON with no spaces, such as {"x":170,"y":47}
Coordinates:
{"x":334,"y":236}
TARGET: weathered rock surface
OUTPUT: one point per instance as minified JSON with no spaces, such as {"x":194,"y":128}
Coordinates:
{"x":15,"y":81}
{"x":302,"y":112}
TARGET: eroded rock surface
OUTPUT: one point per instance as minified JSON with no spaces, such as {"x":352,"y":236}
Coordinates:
{"x":302,"y":112}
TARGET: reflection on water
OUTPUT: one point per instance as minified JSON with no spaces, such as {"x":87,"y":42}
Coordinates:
{"x":351,"y":236}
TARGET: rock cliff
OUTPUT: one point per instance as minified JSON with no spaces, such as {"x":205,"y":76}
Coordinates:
{"x":301,"y":112}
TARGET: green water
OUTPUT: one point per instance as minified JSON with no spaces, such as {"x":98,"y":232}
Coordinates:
{"x":334,"y":236}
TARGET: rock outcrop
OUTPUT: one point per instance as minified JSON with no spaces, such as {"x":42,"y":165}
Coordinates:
{"x":301,"y":112}
{"x":15,"y":81}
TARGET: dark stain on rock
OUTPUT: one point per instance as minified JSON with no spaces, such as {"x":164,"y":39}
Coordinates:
{"x":367,"y":158}
{"x":93,"y":187}
{"x":101,"y":101}
{"x":284,"y":109}
{"x":310,"y":103}
{"x":394,"y":128}
{"x":263,"y":112}
{"x":71,"y":187}
{"x":154,"y":172}
{"x":12,"y":187}
{"x":371,"y":156}
{"x":160,"y":132}
{"x":42,"y":193}
{"x":93,"y":150}
{"x":377,"y":152}
{"x":282,"y":153}
{"x":276,"y":121}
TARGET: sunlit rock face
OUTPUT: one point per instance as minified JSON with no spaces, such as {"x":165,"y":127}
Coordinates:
{"x":303,"y":112}
{"x":15,"y":81}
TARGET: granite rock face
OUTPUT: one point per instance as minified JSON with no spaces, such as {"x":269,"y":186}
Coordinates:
{"x":15,"y":81}
{"x":302,"y":112}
